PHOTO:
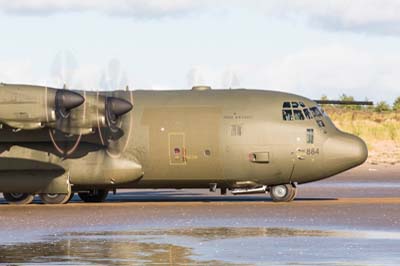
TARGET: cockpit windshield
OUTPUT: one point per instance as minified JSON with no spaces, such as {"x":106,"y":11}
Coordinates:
{"x":296,"y":111}
{"x":299,"y":111}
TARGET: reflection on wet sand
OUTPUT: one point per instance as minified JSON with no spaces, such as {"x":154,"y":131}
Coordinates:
{"x":167,"y":247}
{"x":83,"y":251}
{"x":212,"y":233}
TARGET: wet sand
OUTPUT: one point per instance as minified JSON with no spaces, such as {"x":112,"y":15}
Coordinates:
{"x":350,"y":219}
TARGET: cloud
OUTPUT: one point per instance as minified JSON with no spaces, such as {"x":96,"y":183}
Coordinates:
{"x":128,"y":8}
{"x":375,"y":16}
{"x":16,"y":71}
{"x":325,"y":70}
{"x":337,"y":69}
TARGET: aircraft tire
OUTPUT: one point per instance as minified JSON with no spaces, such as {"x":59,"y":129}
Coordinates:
{"x":99,"y":195}
{"x":282,"y":193}
{"x":55,"y":198}
{"x":18,"y":198}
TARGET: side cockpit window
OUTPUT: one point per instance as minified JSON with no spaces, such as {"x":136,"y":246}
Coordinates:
{"x":316,"y":112}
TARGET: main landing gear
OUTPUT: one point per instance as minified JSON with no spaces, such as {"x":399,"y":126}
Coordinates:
{"x":283,"y":193}
{"x":47,"y":198}
{"x":55,"y":198}
{"x":18,"y":198}
{"x":97,"y":195}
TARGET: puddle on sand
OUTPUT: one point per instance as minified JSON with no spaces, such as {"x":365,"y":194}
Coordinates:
{"x":207,"y":246}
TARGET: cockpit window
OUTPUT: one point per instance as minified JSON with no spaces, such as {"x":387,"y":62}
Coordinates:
{"x":322,"y":111}
{"x":298,"y":115}
{"x":299,"y":111}
{"x":316,"y":112}
{"x":287,"y":115}
{"x":320,"y":123}
{"x":307,"y":113}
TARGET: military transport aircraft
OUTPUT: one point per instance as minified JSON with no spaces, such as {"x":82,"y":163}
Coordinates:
{"x":57,"y":142}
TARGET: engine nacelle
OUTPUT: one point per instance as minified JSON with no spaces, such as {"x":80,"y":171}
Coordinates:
{"x":32,"y":107}
{"x":97,"y":112}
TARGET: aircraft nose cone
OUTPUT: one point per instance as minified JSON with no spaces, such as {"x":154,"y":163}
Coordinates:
{"x":344,"y":152}
{"x":69,"y":99}
{"x":119,"y":106}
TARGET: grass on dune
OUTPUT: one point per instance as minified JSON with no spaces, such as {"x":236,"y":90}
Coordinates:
{"x":381,"y":131}
{"x":371,"y":126}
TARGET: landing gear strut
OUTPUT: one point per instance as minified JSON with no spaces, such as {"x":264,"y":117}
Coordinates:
{"x":18,"y":198}
{"x":283,"y":193}
{"x":98,"y":195}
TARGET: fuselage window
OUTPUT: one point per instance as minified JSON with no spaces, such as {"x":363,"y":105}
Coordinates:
{"x":310,"y":136}
{"x":236,"y":130}
{"x":287,"y":115}
{"x":295,"y":105}
{"x":287,"y":105}
{"x":307,"y":113}
{"x":298,"y":115}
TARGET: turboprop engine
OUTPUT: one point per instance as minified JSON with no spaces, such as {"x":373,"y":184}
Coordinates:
{"x":97,"y":112}
{"x":32,"y":107}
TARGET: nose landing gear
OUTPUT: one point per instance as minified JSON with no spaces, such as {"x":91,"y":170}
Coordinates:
{"x":283,"y":193}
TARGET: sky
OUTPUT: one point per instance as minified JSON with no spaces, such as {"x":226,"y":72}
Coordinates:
{"x":307,"y":47}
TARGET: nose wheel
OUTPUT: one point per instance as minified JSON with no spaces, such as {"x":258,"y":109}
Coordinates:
{"x":283,"y":193}
{"x":18,"y":198}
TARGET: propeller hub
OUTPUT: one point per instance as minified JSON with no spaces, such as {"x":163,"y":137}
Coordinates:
{"x":118,"y":106}
{"x":68,"y":99}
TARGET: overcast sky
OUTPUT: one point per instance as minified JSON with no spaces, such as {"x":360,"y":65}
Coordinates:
{"x":307,"y":47}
